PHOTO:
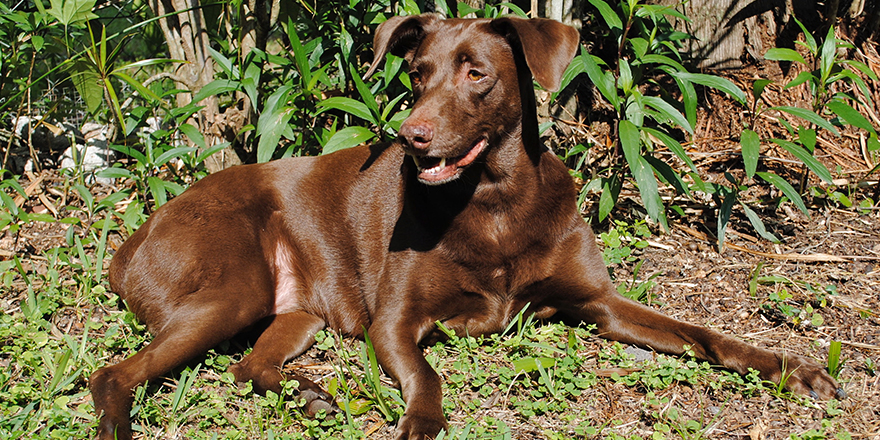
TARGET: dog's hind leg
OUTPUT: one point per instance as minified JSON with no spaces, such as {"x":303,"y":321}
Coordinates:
{"x":287,"y":336}
{"x":205,"y":320}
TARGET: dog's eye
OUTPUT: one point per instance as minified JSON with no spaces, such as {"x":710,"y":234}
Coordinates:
{"x":416,"y":78}
{"x":473,"y":75}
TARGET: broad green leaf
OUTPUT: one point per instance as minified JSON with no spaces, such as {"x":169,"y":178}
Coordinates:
{"x":805,"y":157}
{"x":530,"y":364}
{"x":784,"y":54}
{"x":465,"y":9}
{"x":758,"y":224}
{"x":209,"y":151}
{"x":798,"y":80}
{"x":224,"y":63}
{"x":114,"y":173}
{"x":366,"y":95}
{"x":144,"y":91}
{"x":715,"y":82}
{"x":758,"y":87}
{"x":171,"y":154}
{"x":88,"y":83}
{"x":673,"y":145}
{"x":724,"y":211}
{"x":216,"y":87}
{"x":642,"y":172}
{"x":807,"y":115}
{"x":157,"y":189}
{"x":70,"y":12}
{"x":786,"y":189}
{"x":751,"y":150}
{"x":807,"y":138}
{"x":850,"y":115}
{"x":193,"y":134}
{"x":347,"y":105}
{"x":273,"y":122}
{"x":608,"y":14}
{"x":610,"y":191}
{"x":625,"y":81}
{"x":668,"y":111}
{"x":299,"y":53}
{"x":668,"y":174}
{"x":660,"y":59}
{"x":348,"y":137}
{"x":808,"y":36}
{"x":603,"y":80}
{"x":828,"y":54}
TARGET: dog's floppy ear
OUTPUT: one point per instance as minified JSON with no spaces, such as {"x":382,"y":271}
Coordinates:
{"x":399,"y":35}
{"x":548,"y":45}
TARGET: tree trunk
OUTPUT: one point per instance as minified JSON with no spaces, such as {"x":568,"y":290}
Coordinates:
{"x":188,"y":40}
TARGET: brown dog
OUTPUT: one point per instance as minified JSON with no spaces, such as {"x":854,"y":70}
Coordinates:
{"x":465,"y":219}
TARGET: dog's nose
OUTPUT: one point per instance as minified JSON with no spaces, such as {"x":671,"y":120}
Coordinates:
{"x":417,"y":134}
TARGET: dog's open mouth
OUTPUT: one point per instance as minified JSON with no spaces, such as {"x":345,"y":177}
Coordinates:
{"x":437,"y":170}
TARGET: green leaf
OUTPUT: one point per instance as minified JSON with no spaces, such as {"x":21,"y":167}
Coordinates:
{"x":216,"y":87}
{"x":193,"y":134}
{"x":850,"y":115}
{"x":724,"y":215}
{"x":784,"y":54}
{"x":348,"y":137}
{"x":805,"y":157}
{"x":807,"y":138}
{"x":608,"y":14}
{"x":114,"y":173}
{"x":530,"y":364}
{"x":642,"y":172}
{"x":715,"y":82}
{"x":70,"y":12}
{"x":758,"y":87}
{"x":625,"y":81}
{"x":828,"y":54}
{"x":807,"y":115}
{"x":798,"y":80}
{"x":88,"y":83}
{"x":366,"y":95}
{"x":668,"y":111}
{"x":660,"y":59}
{"x":673,"y":145}
{"x":209,"y":151}
{"x":347,"y":105}
{"x":145,"y":92}
{"x":758,"y":224}
{"x":786,"y":189}
{"x":171,"y":154}
{"x":157,"y":189}
{"x":811,"y":42}
{"x":273,"y":122}
{"x":751,"y":150}
{"x":668,"y":174}
{"x":603,"y":80}
{"x":224,"y":63}
{"x":299,"y":53}
{"x":610,"y":191}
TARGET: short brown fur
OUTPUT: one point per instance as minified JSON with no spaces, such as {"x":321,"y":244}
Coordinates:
{"x":366,"y":239}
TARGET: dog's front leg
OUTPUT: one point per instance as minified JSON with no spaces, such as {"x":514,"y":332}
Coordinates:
{"x":627,"y":321}
{"x":395,"y":340}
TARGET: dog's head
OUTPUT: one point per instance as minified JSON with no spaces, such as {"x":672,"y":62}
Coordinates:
{"x":470,"y":81}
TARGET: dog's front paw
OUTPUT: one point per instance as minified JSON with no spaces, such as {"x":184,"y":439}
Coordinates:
{"x":417,"y":427}
{"x":805,"y":376}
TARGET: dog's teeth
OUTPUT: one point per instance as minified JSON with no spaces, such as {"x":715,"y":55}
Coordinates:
{"x":416,"y":160}
{"x":442,"y":163}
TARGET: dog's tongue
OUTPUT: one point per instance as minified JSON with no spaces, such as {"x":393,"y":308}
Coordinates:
{"x":436,"y":170}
